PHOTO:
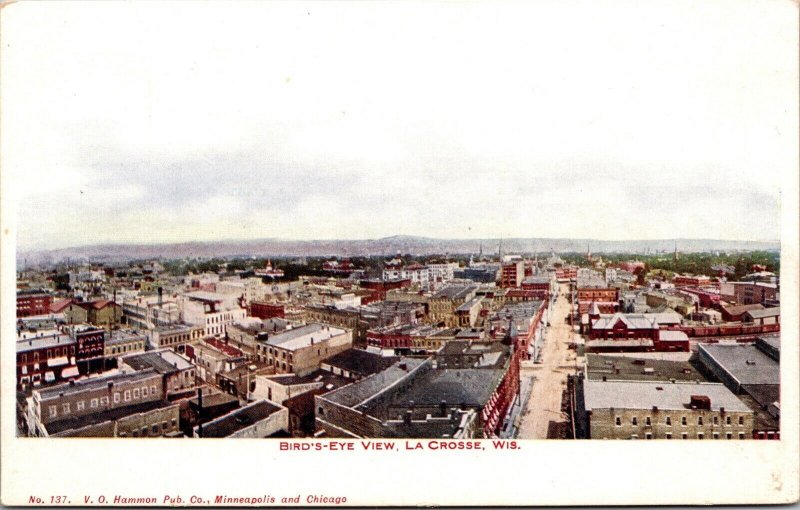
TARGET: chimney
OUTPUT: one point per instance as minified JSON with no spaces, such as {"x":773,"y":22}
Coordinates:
{"x":407,"y":417}
{"x":443,"y":408}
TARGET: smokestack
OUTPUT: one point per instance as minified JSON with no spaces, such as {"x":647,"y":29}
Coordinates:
{"x":160,"y":296}
{"x":407,"y":417}
{"x":443,"y":408}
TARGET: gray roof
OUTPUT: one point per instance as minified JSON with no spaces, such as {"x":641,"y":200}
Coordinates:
{"x":163,"y":361}
{"x":368,"y":387}
{"x":455,"y":291}
{"x":469,"y":386}
{"x":623,"y":368}
{"x":32,"y":344}
{"x":239,"y":419}
{"x":303,"y":336}
{"x":469,"y":304}
{"x":360,"y":361}
{"x":763,"y":313}
{"x":664,"y":395}
{"x":744,"y":362}
{"x":94,"y":383}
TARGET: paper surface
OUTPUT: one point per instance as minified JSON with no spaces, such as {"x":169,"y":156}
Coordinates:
{"x":151,"y":123}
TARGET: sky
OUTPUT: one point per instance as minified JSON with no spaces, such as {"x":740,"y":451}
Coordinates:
{"x":170,"y":122}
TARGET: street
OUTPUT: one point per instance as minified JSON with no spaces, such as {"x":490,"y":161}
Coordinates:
{"x":542,"y":417}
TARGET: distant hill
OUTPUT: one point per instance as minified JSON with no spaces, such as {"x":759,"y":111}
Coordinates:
{"x":386,"y":246}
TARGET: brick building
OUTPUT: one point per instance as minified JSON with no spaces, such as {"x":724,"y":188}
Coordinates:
{"x":33,"y":302}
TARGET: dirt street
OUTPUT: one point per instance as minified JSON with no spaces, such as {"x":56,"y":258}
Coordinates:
{"x":542,"y":418}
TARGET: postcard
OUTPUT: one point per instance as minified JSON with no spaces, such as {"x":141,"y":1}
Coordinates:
{"x":325,"y":254}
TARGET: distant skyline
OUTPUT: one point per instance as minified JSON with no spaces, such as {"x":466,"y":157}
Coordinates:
{"x":354,"y":121}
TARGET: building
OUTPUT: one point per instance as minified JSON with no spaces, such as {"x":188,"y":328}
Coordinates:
{"x":45,"y":358}
{"x":689,"y":280}
{"x":751,"y":371}
{"x":512,"y":274}
{"x":736,"y":313}
{"x":301,"y":350}
{"x":762,"y":317}
{"x":176,"y":371}
{"x":543,"y":287}
{"x":123,"y":342}
{"x":214,"y":311}
{"x":212,"y":356}
{"x":400,"y":338}
{"x":246,"y":334}
{"x":265,"y":310}
{"x":419,"y":275}
{"x":90,"y":347}
{"x":369,"y":408}
{"x":443,"y":304}
{"x":240,"y":381}
{"x":661,"y":410}
{"x":257,"y":420}
{"x":99,"y":313}
{"x":122,"y":405}
{"x":33,"y":302}
{"x":175,"y":336}
{"x":356,"y":364}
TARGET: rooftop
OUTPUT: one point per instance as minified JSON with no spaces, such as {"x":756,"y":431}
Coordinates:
{"x":78,"y":422}
{"x":744,"y":362}
{"x":304,"y":336}
{"x":95,"y":383}
{"x":366,"y":388}
{"x":240,"y":419}
{"x":43,"y":342}
{"x":621,"y":368}
{"x":361,"y":361}
{"x":663,"y":395}
{"x":165,"y":361}
{"x":455,"y":292}
{"x":766,"y":312}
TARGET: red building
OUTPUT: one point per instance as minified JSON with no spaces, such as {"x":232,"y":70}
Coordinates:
{"x":567,"y":273}
{"x":607,"y":299}
{"x":512,"y":274}
{"x":691,"y":280}
{"x":45,"y":359}
{"x":384,"y":286}
{"x":539,"y":285}
{"x":267,"y":310}
{"x":33,"y":302}
{"x":90,"y":347}
{"x":706,"y":298}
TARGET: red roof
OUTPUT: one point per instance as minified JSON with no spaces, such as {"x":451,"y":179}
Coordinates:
{"x":61,"y":305}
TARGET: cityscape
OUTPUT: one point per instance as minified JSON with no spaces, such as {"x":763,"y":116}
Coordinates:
{"x":661,"y":344}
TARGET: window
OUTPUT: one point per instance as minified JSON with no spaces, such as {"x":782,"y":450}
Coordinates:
{"x":127,"y":395}
{"x":647,"y":421}
{"x":93,"y":403}
{"x":700,"y":435}
{"x":116,"y":397}
{"x":80,"y":405}
{"x":668,"y":435}
{"x":321,"y":411}
{"x":648,"y":436}
{"x":136,"y":393}
{"x":741,"y":420}
{"x":174,"y":422}
{"x":65,"y":408}
{"x":164,"y":426}
{"x":728,"y":435}
{"x":741,"y":435}
{"x":155,"y":429}
{"x":684,"y":435}
{"x":104,"y":400}
{"x":52,"y":411}
{"x":144,"y":431}
{"x":699,"y":420}
{"x":152,"y":390}
{"x":634,"y":421}
{"x":727,"y":420}
{"x":668,"y":421}
{"x":683,"y":421}
{"x":716,"y":420}
{"x":715,"y":435}
{"x":135,"y":433}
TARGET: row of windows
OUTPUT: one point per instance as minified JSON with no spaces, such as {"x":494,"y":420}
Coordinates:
{"x":154,"y":429}
{"x":126,"y":348}
{"x":50,"y":353}
{"x":684,"y":435}
{"x":684,"y":420}
{"x":127,"y":396}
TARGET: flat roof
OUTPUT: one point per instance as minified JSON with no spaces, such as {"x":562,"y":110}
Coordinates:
{"x":44,"y":342}
{"x":360,"y":361}
{"x":239,"y":419}
{"x":455,"y":291}
{"x":368,"y":387}
{"x":165,"y":361}
{"x":304,"y":335}
{"x":95,"y":383}
{"x":78,"y":422}
{"x":624,"y":368}
{"x":744,"y":362}
{"x":663,"y":395}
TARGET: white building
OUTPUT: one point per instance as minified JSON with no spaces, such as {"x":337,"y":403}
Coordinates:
{"x":212,"y":310}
